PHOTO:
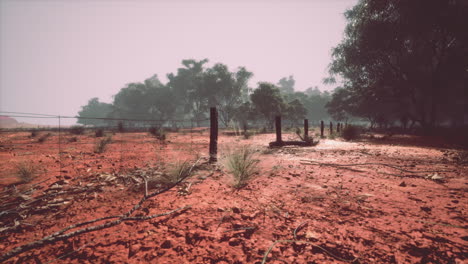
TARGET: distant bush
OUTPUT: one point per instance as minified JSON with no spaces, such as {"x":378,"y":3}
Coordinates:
{"x":242,"y":165}
{"x":43,"y":138}
{"x":158,"y":133}
{"x":100,"y":146}
{"x":350,"y":132}
{"x":77,"y":130}
{"x":99,"y":133}
{"x":33,"y":133}
{"x":120,"y":127}
{"x":73,"y":139}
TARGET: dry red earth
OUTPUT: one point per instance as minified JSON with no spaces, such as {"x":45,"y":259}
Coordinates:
{"x":363,"y":214}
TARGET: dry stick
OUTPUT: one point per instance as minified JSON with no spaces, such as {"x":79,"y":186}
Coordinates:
{"x":126,"y":217}
{"x":360,"y":164}
{"x":52,"y":239}
{"x":302,"y":225}
{"x":305,"y":242}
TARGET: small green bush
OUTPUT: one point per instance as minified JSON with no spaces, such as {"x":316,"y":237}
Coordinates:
{"x":242,"y":165}
{"x":77,"y":130}
{"x":350,"y":132}
{"x":100,"y":146}
{"x":178,"y":171}
{"x":158,"y":132}
{"x":25,"y":172}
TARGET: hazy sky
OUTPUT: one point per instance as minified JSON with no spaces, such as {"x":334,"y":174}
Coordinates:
{"x":56,"y":55}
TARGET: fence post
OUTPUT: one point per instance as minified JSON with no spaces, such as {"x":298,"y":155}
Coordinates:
{"x":321,"y":128}
{"x":278,"y":129}
{"x":306,"y":129}
{"x":213,"y":134}
{"x":338,"y":127}
{"x":331,"y":128}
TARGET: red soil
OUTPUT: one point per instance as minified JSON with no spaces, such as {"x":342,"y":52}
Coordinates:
{"x":367,"y":213}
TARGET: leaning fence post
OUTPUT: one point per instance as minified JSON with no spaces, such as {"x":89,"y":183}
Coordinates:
{"x":306,"y":129}
{"x":213,"y":134}
{"x":278,"y":129}
{"x":331,"y":128}
{"x":321,"y":128}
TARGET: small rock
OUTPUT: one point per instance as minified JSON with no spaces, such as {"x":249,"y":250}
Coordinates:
{"x":236,"y":210}
{"x":402,"y":184}
{"x":166,"y":244}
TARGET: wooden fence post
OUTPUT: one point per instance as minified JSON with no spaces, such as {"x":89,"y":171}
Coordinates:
{"x":213,"y":134}
{"x":321,"y":128}
{"x":278,"y":129}
{"x":331,"y":128}
{"x":306,"y":129}
{"x":338,"y":127}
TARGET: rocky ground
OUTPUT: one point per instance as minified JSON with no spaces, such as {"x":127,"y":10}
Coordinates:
{"x":379,"y":200}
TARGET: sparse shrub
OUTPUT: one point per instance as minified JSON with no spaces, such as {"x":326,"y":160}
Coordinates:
{"x":43,"y":138}
{"x":25,"y":172}
{"x":242,"y":165}
{"x":99,"y":133}
{"x":158,"y":133}
{"x":77,"y":130}
{"x":120,"y":127}
{"x":73,"y":139}
{"x":332,"y":136}
{"x":350,"y":132}
{"x":177,"y":172}
{"x":33,"y":133}
{"x":247,"y":134}
{"x":100,"y":146}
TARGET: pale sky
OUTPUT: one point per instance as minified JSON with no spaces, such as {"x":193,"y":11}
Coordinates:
{"x":55,"y":55}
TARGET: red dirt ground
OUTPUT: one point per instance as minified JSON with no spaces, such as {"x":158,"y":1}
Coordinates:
{"x":361,"y":214}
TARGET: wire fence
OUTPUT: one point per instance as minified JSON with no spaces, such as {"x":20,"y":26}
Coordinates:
{"x":63,"y":151}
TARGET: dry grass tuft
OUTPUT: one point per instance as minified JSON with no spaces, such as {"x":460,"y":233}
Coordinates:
{"x":241,"y":163}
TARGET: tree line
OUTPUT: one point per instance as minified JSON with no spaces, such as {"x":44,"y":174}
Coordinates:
{"x":194,"y":88}
{"x":403,"y":62}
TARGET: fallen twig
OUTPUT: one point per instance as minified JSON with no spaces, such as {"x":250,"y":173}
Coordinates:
{"x":299,"y":227}
{"x":313,"y":162}
{"x":308,"y":243}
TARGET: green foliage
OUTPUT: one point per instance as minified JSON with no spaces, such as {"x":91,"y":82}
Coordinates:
{"x":402,"y":62}
{"x":242,"y":165}
{"x":25,"y":172}
{"x":350,"y":132}
{"x":268,"y":101}
{"x":94,"y":109}
{"x":77,"y":130}
{"x":177,"y":172}
{"x":101,"y":145}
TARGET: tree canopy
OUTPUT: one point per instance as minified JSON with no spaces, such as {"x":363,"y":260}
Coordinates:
{"x":403,"y":60}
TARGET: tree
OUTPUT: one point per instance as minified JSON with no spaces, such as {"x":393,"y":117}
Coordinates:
{"x":188,"y":89}
{"x":405,"y":59}
{"x":94,"y":109}
{"x":295,"y":111}
{"x":286,"y":85}
{"x":268,"y":102}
